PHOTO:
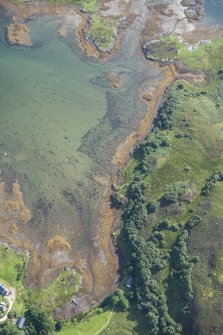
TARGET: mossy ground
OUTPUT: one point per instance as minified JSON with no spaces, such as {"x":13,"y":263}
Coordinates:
{"x":101,"y":31}
{"x":166,"y":48}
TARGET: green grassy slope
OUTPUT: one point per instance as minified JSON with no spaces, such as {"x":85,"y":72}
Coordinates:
{"x":167,"y":214}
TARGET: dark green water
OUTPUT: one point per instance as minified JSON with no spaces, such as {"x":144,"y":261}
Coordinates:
{"x":60,"y":123}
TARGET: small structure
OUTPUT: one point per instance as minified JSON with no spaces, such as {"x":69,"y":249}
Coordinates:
{"x":3,"y":290}
{"x":74,"y":301}
{"x":20,"y":322}
{"x":129,"y":282}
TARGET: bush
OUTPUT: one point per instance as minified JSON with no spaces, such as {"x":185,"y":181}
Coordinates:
{"x":118,"y":200}
{"x":180,"y":86}
{"x":169,"y":198}
{"x":163,"y":225}
{"x":118,"y":299}
{"x":152,"y":206}
{"x":58,"y":325}
{"x":195,"y":220}
{"x":182,"y":272}
{"x":210,"y":182}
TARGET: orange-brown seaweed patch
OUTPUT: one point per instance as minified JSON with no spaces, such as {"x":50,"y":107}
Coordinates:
{"x":18,"y":33}
{"x":58,"y":243}
{"x":12,"y":204}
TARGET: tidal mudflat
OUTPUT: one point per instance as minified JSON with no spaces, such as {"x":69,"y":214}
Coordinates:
{"x":60,"y":124}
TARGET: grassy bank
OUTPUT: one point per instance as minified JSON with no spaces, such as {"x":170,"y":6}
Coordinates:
{"x":90,"y":325}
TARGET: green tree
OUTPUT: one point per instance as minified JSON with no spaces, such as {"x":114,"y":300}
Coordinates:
{"x":9,"y":329}
{"x":39,"y":322}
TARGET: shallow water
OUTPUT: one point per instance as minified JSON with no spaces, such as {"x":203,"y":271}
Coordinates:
{"x":213,"y":11}
{"x":60,"y":123}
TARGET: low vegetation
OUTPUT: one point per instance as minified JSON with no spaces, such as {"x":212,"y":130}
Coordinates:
{"x":101,"y":31}
{"x":165,"y":48}
{"x":13,"y":265}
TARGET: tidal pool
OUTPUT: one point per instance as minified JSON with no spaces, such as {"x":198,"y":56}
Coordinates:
{"x":60,"y":123}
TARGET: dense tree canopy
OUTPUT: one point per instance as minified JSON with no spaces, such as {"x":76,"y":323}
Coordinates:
{"x":39,"y":322}
{"x":9,"y":329}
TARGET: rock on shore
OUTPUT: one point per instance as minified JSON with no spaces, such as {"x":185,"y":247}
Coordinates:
{"x":114,"y":79}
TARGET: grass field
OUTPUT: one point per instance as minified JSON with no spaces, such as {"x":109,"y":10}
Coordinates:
{"x":206,"y":57}
{"x":88,"y":326}
{"x":12,"y":266}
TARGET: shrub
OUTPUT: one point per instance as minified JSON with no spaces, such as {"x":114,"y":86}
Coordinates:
{"x":118,"y":200}
{"x":210,"y":182}
{"x":58,"y":325}
{"x":180,"y":86}
{"x":169,"y":198}
{"x":152,"y":206}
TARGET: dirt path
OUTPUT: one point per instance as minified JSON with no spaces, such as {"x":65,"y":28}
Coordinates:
{"x":11,"y":300}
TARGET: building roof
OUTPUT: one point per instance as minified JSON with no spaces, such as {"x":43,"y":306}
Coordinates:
{"x":20,"y":322}
{"x":129,"y":282}
{"x":3,"y":289}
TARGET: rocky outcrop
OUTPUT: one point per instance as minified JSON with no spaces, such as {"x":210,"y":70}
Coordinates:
{"x":194,"y":10}
{"x":114,"y":79}
{"x":164,"y":9}
{"x":18,"y":34}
